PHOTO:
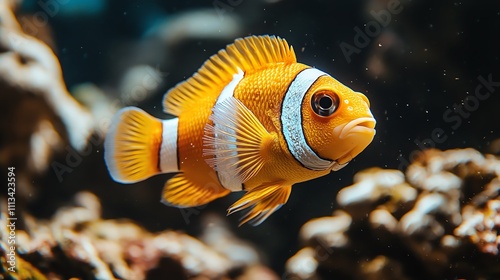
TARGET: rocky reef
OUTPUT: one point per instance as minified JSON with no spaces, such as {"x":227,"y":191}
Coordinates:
{"x":77,"y":243}
{"x":439,"y":220}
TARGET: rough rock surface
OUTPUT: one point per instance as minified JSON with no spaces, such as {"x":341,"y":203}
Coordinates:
{"x":77,"y":243}
{"x":440,"y":220}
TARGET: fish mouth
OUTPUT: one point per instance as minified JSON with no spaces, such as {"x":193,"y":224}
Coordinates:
{"x":364,"y":125}
{"x":354,"y":137}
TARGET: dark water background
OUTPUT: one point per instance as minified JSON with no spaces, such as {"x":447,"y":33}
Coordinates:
{"x":417,"y":71}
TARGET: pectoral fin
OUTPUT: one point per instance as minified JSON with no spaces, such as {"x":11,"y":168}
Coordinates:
{"x":262,"y":201}
{"x":237,"y":140}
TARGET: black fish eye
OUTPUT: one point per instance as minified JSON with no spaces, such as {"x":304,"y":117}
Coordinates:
{"x":324,"y":104}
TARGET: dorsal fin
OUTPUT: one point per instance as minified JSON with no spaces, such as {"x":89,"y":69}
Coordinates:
{"x":249,"y":54}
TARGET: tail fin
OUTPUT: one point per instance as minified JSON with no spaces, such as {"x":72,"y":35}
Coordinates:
{"x":132,"y":145}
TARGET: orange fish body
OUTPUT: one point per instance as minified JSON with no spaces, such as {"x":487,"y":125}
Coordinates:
{"x":250,"y":119}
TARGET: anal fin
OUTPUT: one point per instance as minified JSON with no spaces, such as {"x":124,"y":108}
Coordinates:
{"x":181,"y":192}
{"x":262,"y":201}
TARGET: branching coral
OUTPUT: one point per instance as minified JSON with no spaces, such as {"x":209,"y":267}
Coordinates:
{"x":440,"y":220}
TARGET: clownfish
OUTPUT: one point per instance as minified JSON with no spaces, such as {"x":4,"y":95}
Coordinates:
{"x":250,"y":119}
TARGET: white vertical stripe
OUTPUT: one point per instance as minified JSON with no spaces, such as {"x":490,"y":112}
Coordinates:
{"x":227,"y":177}
{"x":168,"y":149}
{"x":228,"y":90}
{"x":291,"y":121}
